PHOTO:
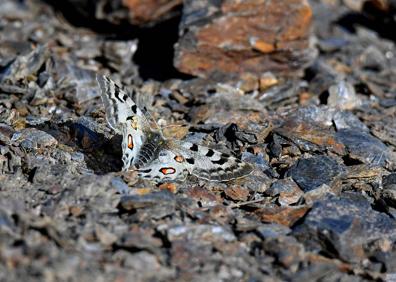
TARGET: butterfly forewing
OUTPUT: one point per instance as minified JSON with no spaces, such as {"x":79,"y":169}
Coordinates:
{"x":124,"y":117}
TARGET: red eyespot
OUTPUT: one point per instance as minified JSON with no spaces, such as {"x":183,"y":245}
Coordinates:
{"x":179,"y":159}
{"x":130,"y":141}
{"x":167,"y":170}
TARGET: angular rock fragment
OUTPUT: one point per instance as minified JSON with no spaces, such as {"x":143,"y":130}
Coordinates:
{"x":237,"y":193}
{"x":80,"y":84}
{"x":287,"y":191}
{"x":310,"y":137}
{"x":154,"y":205}
{"x":342,"y":95}
{"x":150,"y":11}
{"x":311,"y":173}
{"x":200,"y":233}
{"x":203,"y":197}
{"x":25,"y":65}
{"x":388,"y":193}
{"x":286,"y":249}
{"x":365,"y":147}
{"x":341,"y":226}
{"x":139,"y":238}
{"x":119,"y":54}
{"x":31,"y":138}
{"x":6,"y":133}
{"x":273,"y":230}
{"x":137,"y":12}
{"x":137,"y":202}
{"x":286,"y":215}
{"x":327,"y":117}
{"x":237,"y":36}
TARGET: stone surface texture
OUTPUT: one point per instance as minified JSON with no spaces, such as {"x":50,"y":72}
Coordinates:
{"x":243,"y":36}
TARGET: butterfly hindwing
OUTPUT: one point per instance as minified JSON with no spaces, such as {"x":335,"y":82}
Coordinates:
{"x":168,"y":166}
{"x":213,"y":165}
{"x":177,"y":162}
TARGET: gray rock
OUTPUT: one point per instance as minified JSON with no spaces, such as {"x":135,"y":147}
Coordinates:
{"x":149,"y":200}
{"x":364,"y":147}
{"x":313,"y":172}
{"x":388,"y":193}
{"x":342,"y":96}
{"x":273,"y":230}
{"x":287,"y":191}
{"x":341,"y":226}
{"x":154,"y":205}
{"x":6,"y":133}
{"x":200,"y":233}
{"x":31,"y":139}
{"x":120,"y":185}
{"x":389,"y":181}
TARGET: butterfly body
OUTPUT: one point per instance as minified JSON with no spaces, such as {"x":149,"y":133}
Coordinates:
{"x":154,"y":157}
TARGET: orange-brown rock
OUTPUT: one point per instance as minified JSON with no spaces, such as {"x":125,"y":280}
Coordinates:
{"x":146,"y":11}
{"x":251,"y":36}
{"x":286,"y":215}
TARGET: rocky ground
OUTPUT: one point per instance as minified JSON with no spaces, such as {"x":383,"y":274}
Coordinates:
{"x":308,"y":98}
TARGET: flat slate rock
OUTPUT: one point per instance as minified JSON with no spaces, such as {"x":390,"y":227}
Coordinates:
{"x":313,"y":172}
{"x":364,"y":147}
{"x":342,"y":226}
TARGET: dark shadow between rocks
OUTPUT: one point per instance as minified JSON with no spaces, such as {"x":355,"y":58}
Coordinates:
{"x":379,"y":23}
{"x":102,"y":155}
{"x":155,"y":52}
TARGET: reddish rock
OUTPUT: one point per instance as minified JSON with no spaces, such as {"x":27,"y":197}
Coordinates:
{"x":146,"y":11}
{"x":205,"y":197}
{"x":297,"y":130}
{"x":285,"y":215}
{"x":237,"y":193}
{"x":243,"y":36}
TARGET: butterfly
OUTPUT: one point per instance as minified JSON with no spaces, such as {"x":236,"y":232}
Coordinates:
{"x":154,"y":157}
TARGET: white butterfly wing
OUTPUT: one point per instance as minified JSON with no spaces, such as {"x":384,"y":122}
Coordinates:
{"x":169,"y":166}
{"x":123,"y":116}
{"x":212,"y":165}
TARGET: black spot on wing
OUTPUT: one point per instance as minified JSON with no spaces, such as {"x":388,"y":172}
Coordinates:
{"x":230,"y":169}
{"x":117,"y":93}
{"x":145,"y":170}
{"x":134,"y":108}
{"x":129,"y":118}
{"x":125,"y":97}
{"x":194,"y":148}
{"x":221,"y":161}
{"x":190,"y":160}
{"x":210,"y":153}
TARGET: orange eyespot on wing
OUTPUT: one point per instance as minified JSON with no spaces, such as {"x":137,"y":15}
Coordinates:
{"x":167,"y":170}
{"x":179,"y":159}
{"x":130,"y":141}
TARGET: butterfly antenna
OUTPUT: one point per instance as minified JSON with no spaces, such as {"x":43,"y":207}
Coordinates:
{"x":143,"y":108}
{"x":149,"y":116}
